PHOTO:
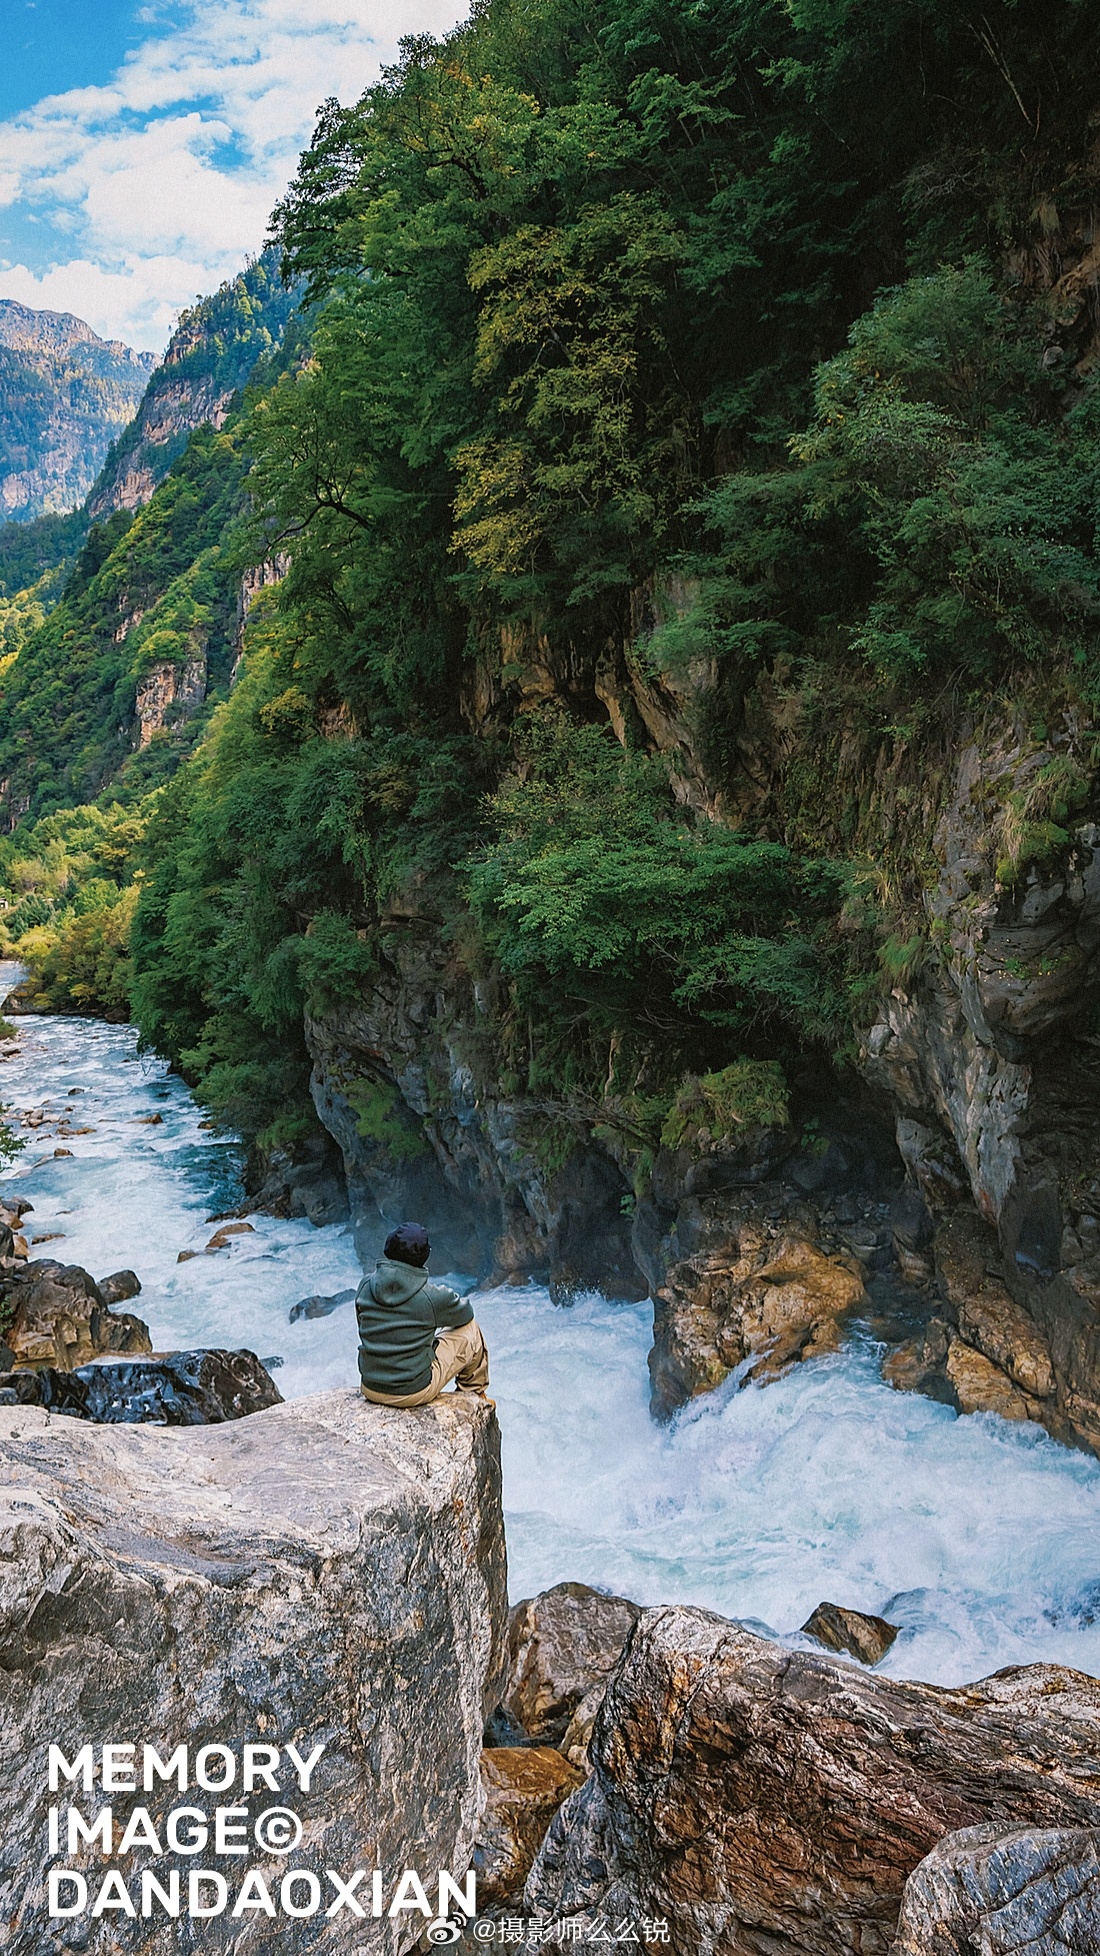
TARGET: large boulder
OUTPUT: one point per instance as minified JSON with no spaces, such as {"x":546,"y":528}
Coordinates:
{"x":774,"y":1803}
{"x":326,"y":1573}
{"x":55,"y":1314}
{"x":982,"y":1892}
{"x":764,"y":1303}
{"x":562,"y":1646}
{"x":199,"y":1388}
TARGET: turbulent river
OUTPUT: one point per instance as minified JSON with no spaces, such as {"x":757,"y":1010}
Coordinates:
{"x":982,"y":1539}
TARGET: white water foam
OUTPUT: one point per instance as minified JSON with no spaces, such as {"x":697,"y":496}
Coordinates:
{"x":981,"y":1538}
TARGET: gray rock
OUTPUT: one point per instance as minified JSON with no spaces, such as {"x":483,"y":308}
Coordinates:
{"x":117,"y":1288}
{"x":201,"y":1388}
{"x":328,"y":1572}
{"x":984,"y":1892}
{"x":319,"y":1307}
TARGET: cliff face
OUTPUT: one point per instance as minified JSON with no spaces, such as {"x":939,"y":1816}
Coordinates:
{"x":326,"y":1574}
{"x":210,"y":357}
{"x":989,"y":1055}
{"x":65,"y":395}
{"x":959,"y":1155}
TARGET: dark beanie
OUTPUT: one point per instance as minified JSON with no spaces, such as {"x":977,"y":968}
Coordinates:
{"x":408,"y":1244}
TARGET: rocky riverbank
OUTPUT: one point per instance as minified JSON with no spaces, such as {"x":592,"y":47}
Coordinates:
{"x":934,"y":1198}
{"x":335,"y":1572}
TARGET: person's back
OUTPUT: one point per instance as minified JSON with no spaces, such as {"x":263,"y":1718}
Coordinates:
{"x":415,"y":1336}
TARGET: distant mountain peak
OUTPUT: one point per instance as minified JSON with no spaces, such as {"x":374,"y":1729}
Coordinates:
{"x":30,"y":328}
{"x":65,"y":394}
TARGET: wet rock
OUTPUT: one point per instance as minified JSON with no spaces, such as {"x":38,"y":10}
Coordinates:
{"x":523,"y":1787}
{"x":918,"y":1364}
{"x":765,"y":1304}
{"x":986,"y":1354}
{"x":327,"y":1573}
{"x":59,"y":1317}
{"x":561,"y":1644}
{"x":981,"y":1387}
{"x":985,"y":1892}
{"x":200,"y":1388}
{"x":117,"y":1288}
{"x":968,"y":1266}
{"x":866,"y":1637}
{"x":871,"y":1245}
{"x":222,"y":1238}
{"x":319,"y":1307}
{"x":765,"y":1800}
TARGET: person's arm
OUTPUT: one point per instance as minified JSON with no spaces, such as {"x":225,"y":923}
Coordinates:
{"x":451,"y":1310}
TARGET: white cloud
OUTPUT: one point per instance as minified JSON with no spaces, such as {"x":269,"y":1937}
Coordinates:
{"x":158,"y":184}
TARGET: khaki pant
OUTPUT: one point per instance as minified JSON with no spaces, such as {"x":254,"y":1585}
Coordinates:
{"x":459,"y":1355}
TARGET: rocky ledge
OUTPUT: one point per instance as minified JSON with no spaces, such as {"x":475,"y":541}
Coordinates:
{"x":324,"y":1573}
{"x":776,"y":1803}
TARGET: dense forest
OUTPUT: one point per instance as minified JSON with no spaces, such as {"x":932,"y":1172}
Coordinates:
{"x":688,"y":427}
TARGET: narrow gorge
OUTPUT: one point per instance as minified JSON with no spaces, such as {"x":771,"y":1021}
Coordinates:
{"x":570,"y":715}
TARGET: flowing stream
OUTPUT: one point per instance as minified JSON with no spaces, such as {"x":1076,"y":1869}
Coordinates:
{"x":980,"y":1538}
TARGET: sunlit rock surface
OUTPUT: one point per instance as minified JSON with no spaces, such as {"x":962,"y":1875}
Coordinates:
{"x":324,"y":1572}
{"x":773,"y":1803}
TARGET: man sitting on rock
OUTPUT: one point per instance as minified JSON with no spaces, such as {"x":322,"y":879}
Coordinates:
{"x":415,"y":1336}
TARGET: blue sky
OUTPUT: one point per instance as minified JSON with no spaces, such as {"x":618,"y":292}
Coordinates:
{"x":144,"y":142}
{"x":51,"y":45}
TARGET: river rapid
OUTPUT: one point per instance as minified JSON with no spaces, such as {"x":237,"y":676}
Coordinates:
{"x":980,"y":1538}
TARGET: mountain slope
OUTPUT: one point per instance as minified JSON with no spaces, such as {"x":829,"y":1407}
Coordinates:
{"x":210,"y":356}
{"x":64,"y":395}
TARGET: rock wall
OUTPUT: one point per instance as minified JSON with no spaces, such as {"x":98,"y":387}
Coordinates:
{"x":324,"y":1573}
{"x":65,"y":395}
{"x":989,"y":1058}
{"x":169,"y":690}
{"x":407,"y":1083}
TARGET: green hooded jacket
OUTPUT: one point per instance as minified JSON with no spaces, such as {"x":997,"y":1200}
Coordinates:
{"x":399,"y":1311}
